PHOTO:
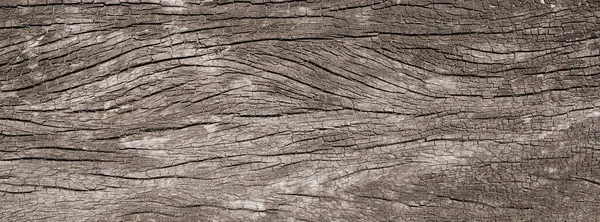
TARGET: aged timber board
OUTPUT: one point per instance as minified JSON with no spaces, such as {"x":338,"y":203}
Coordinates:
{"x":337,"y":110}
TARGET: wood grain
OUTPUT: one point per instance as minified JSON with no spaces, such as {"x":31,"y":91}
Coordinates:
{"x":338,"y":110}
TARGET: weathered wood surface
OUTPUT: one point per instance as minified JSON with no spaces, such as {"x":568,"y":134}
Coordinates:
{"x":406,"y":110}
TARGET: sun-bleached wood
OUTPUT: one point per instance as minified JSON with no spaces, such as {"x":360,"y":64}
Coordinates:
{"x":405,"y":110}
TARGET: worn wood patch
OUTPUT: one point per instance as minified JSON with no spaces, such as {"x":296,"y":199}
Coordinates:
{"x":386,"y":110}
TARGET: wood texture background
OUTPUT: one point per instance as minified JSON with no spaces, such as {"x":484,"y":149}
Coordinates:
{"x":338,"y":110}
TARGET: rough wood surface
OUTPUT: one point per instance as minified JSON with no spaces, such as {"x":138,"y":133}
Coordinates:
{"x":338,"y":110}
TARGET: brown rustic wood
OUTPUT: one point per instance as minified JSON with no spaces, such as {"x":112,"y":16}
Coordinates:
{"x":337,"y":110}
